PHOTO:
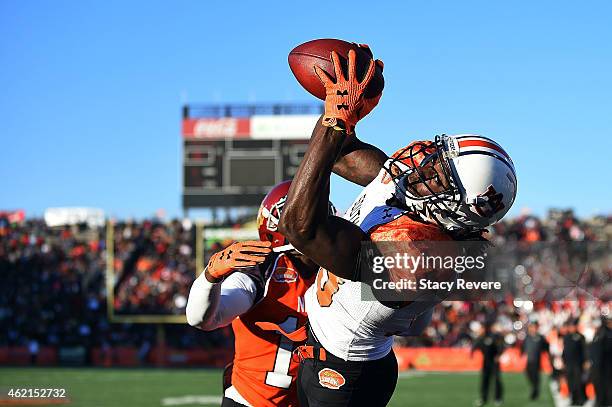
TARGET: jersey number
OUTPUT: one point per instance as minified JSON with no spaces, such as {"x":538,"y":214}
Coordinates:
{"x":327,"y":286}
{"x":280,"y":377}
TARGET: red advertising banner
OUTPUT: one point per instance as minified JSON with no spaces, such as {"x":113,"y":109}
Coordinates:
{"x":228,"y":127}
{"x":458,"y":360}
{"x":16,"y":216}
{"x":423,"y":359}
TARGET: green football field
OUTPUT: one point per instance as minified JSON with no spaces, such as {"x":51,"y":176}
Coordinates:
{"x":199,"y":387}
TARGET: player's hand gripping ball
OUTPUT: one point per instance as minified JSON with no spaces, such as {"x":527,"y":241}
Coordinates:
{"x":370,"y":102}
{"x":303,"y":58}
{"x":344,"y":100}
{"x":237,"y":256}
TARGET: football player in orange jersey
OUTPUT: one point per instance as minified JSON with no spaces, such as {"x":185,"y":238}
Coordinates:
{"x":258,"y":287}
{"x":442,"y":190}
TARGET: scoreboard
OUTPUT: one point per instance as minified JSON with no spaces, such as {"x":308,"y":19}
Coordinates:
{"x":236,"y":172}
{"x":232,"y":155}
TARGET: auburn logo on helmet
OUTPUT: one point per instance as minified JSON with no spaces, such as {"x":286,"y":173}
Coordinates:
{"x":492,"y":204}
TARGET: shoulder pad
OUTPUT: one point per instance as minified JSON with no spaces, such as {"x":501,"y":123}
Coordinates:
{"x":379,"y":216}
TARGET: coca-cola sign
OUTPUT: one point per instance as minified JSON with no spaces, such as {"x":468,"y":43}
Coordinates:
{"x":216,"y":128}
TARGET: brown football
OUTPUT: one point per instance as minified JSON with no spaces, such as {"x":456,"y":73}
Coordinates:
{"x":304,"y":57}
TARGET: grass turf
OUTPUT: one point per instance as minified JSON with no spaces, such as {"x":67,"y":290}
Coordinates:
{"x":158,"y":387}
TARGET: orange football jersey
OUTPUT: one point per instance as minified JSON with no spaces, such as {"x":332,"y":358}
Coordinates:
{"x":406,"y":229}
{"x":264,"y":372}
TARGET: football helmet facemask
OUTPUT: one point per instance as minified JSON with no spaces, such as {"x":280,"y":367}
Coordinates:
{"x":463,"y":181}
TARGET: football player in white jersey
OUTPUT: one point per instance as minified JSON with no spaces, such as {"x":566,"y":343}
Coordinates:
{"x":442,"y":190}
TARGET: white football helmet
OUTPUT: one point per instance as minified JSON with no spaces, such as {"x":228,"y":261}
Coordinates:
{"x":463,"y":181}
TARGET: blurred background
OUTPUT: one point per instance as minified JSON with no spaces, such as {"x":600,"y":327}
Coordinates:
{"x":139,"y":138}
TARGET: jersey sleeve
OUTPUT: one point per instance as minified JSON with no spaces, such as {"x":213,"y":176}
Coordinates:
{"x":215,"y":305}
{"x":419,"y":323}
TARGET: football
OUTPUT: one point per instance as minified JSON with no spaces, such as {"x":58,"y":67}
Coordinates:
{"x":304,"y":57}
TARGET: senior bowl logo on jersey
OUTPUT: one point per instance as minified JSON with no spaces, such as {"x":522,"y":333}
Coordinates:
{"x":331,"y":379}
{"x":284,"y":274}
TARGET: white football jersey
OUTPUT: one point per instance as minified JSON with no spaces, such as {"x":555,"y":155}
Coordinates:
{"x":347,"y":326}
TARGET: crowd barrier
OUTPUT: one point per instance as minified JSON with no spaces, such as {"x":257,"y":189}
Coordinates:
{"x":459,"y":360}
{"x":426,"y":359}
{"x":121,"y":356}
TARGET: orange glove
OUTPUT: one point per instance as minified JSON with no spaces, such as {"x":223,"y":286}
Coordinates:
{"x":370,"y":104}
{"x":237,"y":256}
{"x":344,"y":98}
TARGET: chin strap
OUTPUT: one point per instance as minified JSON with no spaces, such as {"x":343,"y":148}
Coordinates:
{"x":285,"y":248}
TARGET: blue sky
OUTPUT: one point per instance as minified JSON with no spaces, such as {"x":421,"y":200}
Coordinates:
{"x":90,"y":92}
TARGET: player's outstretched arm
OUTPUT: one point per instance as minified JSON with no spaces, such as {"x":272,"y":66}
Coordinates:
{"x":220,"y":294}
{"x":330,"y":241}
{"x":359,"y":162}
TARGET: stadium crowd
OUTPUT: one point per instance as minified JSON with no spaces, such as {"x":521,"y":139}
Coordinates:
{"x":54,"y":290}
{"x":54,"y":287}
{"x":154,"y":264}
{"x":457,"y":323}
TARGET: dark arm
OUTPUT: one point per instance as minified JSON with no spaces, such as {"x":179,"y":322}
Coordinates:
{"x":564,"y":351}
{"x":550,"y":356}
{"x":331,"y":242}
{"x":359,"y":162}
{"x":585,"y":350}
{"x":475,"y":347}
{"x":501,"y":347}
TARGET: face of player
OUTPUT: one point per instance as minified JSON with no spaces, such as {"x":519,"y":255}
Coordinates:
{"x":429,"y":178}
